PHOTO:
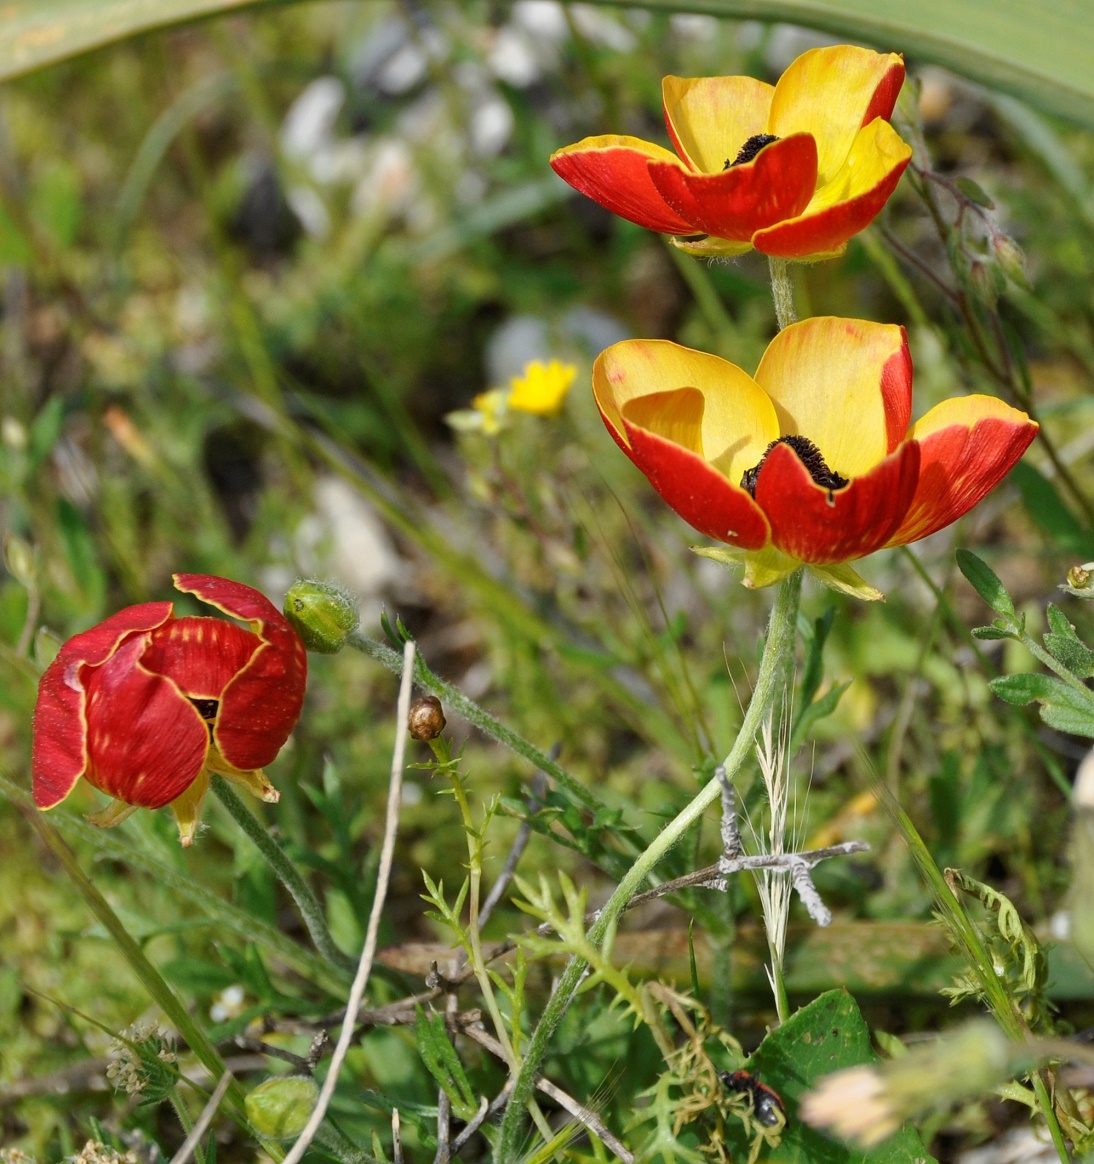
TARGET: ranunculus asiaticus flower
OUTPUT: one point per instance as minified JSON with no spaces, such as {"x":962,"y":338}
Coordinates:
{"x":793,"y":169}
{"x":812,"y":460}
{"x":145,"y":705}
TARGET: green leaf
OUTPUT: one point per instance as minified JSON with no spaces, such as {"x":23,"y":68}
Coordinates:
{"x":444,"y":1064}
{"x":1062,"y":706}
{"x":992,"y":633}
{"x":974,"y":193}
{"x":825,"y":1036}
{"x":985,"y":582}
{"x":1066,"y":646}
{"x":1045,"y":61}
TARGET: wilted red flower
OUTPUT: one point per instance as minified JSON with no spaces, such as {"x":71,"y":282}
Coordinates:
{"x":813,"y":461}
{"x":146,"y":705}
{"x":793,"y":169}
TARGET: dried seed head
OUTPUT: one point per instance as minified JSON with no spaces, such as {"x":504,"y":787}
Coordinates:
{"x":426,"y":719}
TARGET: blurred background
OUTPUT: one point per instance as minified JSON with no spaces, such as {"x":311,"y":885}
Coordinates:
{"x":248,"y":266}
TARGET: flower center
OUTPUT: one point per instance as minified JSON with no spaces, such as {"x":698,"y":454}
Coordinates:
{"x":810,"y":457}
{"x":207,"y":708}
{"x":750,"y":149}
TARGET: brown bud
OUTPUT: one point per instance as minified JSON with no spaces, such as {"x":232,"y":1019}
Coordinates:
{"x":426,"y":720}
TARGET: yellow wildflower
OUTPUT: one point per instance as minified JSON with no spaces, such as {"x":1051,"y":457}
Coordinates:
{"x":542,"y":388}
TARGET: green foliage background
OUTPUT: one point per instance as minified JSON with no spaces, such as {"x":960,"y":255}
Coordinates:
{"x":184,"y":368}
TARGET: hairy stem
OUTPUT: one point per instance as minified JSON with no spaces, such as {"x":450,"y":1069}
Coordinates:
{"x":782,"y":291}
{"x":777,"y":648}
{"x":311,"y":912}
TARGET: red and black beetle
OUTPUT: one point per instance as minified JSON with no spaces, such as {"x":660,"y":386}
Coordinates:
{"x":766,"y":1104}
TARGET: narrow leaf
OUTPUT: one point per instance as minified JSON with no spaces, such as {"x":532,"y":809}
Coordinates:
{"x":986,"y":583}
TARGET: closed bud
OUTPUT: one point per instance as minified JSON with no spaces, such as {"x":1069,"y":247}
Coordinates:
{"x":426,"y":719}
{"x":19,"y":558}
{"x":1011,"y":259}
{"x":323,"y":615}
{"x":279,"y":1108}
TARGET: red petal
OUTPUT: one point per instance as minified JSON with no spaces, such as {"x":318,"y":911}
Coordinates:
{"x":743,"y":199}
{"x":820,"y":527}
{"x":896,"y":392}
{"x":200,"y":655}
{"x":59,"y":753}
{"x":884,"y":100}
{"x":146,"y":742}
{"x":705,"y":499}
{"x":959,"y":467}
{"x":617,"y":176}
{"x":828,"y":230}
{"x":260,"y":706}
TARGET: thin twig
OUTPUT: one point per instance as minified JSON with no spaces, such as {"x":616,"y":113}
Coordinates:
{"x":383,"y":875}
{"x":477,"y":1121}
{"x":396,"y":1137}
{"x":186,"y":1150}
{"x":539,"y":788}
{"x":585,"y":1116}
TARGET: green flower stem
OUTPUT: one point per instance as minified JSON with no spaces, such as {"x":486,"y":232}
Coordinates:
{"x":782,"y":291}
{"x":455,"y":699}
{"x":286,"y":872}
{"x":769,"y":683}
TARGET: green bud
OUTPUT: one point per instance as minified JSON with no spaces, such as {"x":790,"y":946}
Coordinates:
{"x":324,"y":615}
{"x":1080,"y":581}
{"x":1011,"y":259}
{"x":279,"y":1108}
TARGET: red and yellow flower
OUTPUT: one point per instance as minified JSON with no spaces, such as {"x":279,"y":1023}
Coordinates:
{"x":145,"y":706}
{"x":812,"y":461}
{"x":793,"y":169}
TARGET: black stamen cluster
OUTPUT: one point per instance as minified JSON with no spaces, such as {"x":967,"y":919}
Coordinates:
{"x":750,"y":149}
{"x":810,"y":457}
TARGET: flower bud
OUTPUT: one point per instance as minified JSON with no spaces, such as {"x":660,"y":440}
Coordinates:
{"x":1080,"y":581}
{"x":426,"y":719}
{"x":323,"y":615}
{"x":279,"y":1108}
{"x":1011,"y":259}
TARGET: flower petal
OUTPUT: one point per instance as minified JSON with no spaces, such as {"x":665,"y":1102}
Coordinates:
{"x":737,"y":421}
{"x":846,"y":384}
{"x":846,"y":204}
{"x":146,"y":743}
{"x":823,"y":527}
{"x":59,"y":753}
{"x":967,"y":446}
{"x":614,"y":171}
{"x":832,"y":93}
{"x":705,"y":499}
{"x":737,"y":202}
{"x":199,"y":655}
{"x":260,"y":706}
{"x":710,"y":118}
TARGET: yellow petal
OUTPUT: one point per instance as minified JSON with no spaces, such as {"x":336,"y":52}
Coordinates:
{"x":829,"y":92}
{"x":710,"y":118}
{"x":734,"y":426}
{"x":875,"y":152}
{"x":827,"y":379}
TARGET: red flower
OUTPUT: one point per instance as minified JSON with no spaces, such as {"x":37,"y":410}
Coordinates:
{"x":813,"y":461}
{"x":146,"y":705}
{"x":793,"y":169}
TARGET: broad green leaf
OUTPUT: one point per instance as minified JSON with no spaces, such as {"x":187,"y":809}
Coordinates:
{"x":825,"y":1036}
{"x":985,"y":582}
{"x":1066,"y":645}
{"x":1062,"y":706}
{"x":1043,"y":59}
